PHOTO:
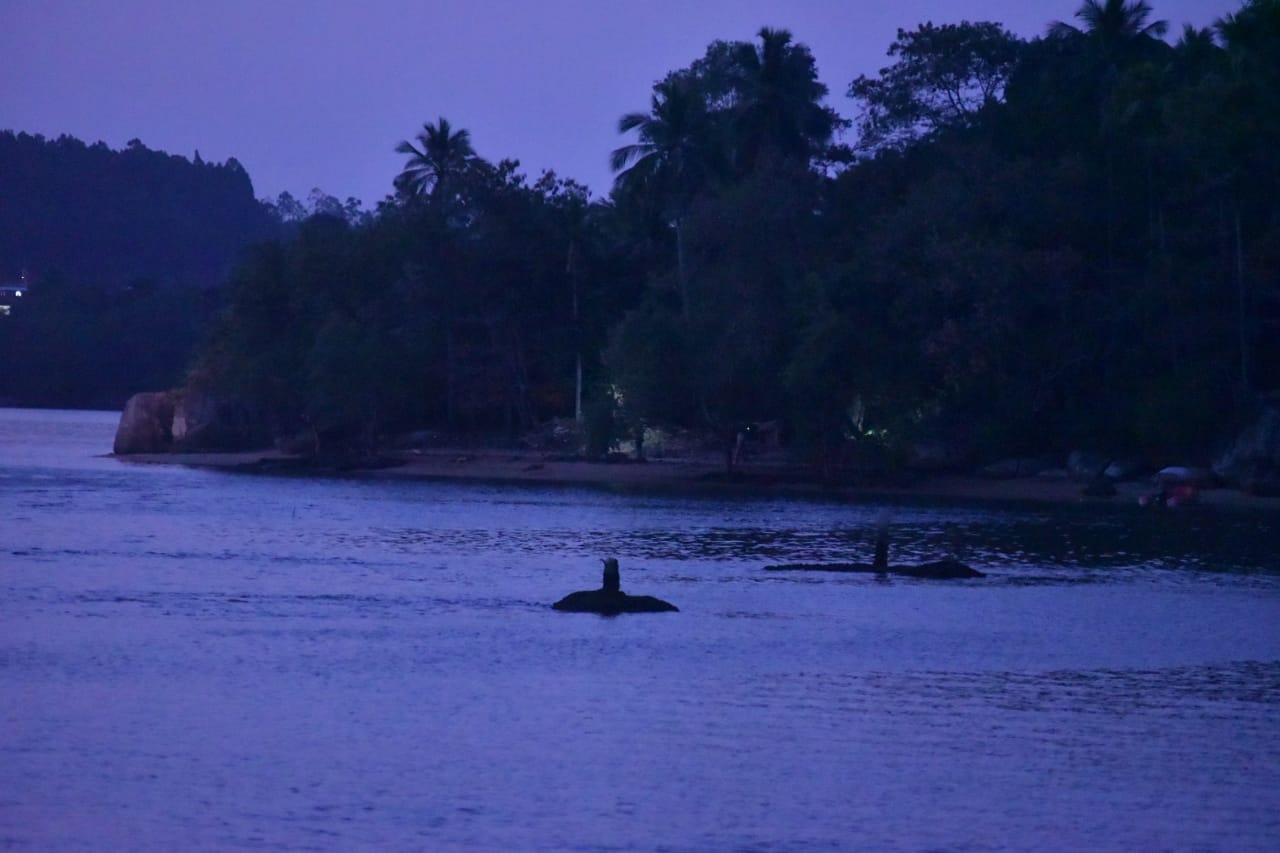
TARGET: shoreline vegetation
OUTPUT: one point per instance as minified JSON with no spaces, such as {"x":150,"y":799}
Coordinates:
{"x":699,"y":474}
{"x":1066,"y":254}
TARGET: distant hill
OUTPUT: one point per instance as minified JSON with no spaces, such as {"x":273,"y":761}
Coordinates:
{"x":109,"y":218}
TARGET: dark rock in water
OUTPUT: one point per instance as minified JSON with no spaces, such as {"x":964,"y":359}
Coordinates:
{"x":610,"y":600}
{"x":935,"y":570}
{"x":609,"y":603}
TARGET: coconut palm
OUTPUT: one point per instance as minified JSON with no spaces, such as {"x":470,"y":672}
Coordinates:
{"x":1253,"y":33}
{"x":442,"y":154}
{"x":779,"y":100}
{"x":1246,"y":132}
{"x":1114,"y":25}
{"x":678,"y":154}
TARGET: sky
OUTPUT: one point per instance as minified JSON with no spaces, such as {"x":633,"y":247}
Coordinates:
{"x":316,"y":93}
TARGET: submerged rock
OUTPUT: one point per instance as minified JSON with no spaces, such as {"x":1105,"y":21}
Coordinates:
{"x":610,"y":600}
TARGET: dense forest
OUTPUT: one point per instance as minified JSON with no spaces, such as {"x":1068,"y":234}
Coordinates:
{"x":125,"y":254}
{"x":93,"y":214}
{"x":1016,"y":246}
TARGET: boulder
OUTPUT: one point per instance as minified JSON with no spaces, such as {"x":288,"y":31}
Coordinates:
{"x":146,"y":425}
{"x":610,"y":600}
{"x":186,"y":421}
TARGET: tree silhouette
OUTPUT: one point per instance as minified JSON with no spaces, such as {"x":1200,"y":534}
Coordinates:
{"x":779,"y":108}
{"x":1114,"y":26}
{"x":442,"y":154}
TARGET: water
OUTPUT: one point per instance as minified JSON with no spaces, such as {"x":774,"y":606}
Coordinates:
{"x":202,"y":660}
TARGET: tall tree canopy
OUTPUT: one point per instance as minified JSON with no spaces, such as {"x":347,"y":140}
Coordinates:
{"x":944,"y":76}
{"x":1114,"y":25}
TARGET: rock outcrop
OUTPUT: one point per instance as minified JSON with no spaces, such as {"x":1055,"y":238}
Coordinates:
{"x":610,"y":600}
{"x":146,"y":425}
{"x":186,"y":421}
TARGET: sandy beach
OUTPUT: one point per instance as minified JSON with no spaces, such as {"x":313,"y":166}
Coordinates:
{"x":704,"y":474}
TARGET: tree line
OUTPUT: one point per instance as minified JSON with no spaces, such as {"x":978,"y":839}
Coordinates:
{"x":1027,"y":246}
{"x":107,"y":217}
{"x":124,"y":254}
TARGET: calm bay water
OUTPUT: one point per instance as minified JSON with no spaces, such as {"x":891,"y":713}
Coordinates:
{"x":203,"y":660}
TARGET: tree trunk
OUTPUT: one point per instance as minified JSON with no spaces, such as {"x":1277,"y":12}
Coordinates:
{"x":571,"y":269}
{"x":449,"y":392}
{"x":1242,"y":300}
{"x":577,"y":388}
{"x":680,"y":272}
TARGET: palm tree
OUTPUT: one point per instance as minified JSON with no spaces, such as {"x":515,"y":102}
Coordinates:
{"x":1115,"y":26}
{"x":779,"y":97}
{"x":1248,"y":129}
{"x":1253,"y":33}
{"x":1115,"y":34}
{"x":442,"y":156}
{"x":678,"y":154}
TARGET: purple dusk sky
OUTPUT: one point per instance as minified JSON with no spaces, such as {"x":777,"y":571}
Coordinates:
{"x":316,"y":93}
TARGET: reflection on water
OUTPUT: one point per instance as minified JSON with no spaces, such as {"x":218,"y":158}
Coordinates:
{"x":192,"y":659}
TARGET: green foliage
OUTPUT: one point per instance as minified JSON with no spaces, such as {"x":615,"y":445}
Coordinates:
{"x":944,"y":77}
{"x":648,"y":360}
{"x":1060,"y":255}
{"x":468,"y":311}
